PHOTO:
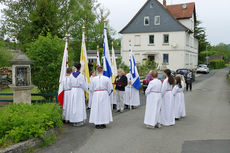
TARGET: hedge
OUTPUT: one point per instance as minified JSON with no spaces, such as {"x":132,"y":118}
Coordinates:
{"x":19,"y":122}
{"x":217,"y":64}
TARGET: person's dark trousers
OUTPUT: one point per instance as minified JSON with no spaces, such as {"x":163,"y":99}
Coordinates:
{"x":188,"y":85}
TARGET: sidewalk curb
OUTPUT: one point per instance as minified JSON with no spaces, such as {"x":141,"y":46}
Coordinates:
{"x":28,"y":145}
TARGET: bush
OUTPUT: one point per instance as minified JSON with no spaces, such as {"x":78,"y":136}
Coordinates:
{"x":5,"y":56}
{"x":146,"y":67}
{"x":19,"y":122}
{"x":217,"y":64}
{"x":46,"y":54}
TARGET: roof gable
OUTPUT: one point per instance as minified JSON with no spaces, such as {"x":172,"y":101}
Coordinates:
{"x":167,"y":21}
{"x":182,"y":13}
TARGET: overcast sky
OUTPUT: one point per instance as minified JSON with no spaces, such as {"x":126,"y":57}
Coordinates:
{"x":215,"y":15}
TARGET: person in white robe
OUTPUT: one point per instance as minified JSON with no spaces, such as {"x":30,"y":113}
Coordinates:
{"x":131,"y":97}
{"x":183,"y":108}
{"x":67,"y":86}
{"x":101,"y":113}
{"x":92,"y":75}
{"x":178,"y":97}
{"x":78,"y":107}
{"x":167,"y":107}
{"x":153,"y":102}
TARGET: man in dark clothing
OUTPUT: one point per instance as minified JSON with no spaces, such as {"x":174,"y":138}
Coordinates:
{"x":121,"y":82}
{"x":189,"y":80}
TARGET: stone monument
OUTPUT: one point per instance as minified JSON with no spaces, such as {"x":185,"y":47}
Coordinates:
{"x":21,"y":78}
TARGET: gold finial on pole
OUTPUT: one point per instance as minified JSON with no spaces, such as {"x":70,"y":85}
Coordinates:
{"x":83,"y":28}
{"x":105,"y":22}
{"x":97,"y":47}
{"x":67,"y":37}
{"x":112,"y":43}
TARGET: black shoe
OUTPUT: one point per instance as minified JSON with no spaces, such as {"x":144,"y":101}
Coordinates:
{"x":118,"y":111}
{"x":97,"y":126}
{"x":103,"y":126}
{"x":177,"y":119}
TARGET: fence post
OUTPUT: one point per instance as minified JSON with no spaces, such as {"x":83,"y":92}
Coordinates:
{"x":56,"y":97}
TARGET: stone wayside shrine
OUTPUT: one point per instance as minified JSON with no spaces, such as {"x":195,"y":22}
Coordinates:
{"x":21,"y":79}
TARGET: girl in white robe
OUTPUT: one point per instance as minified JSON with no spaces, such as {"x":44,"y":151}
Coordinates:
{"x":153,"y":102}
{"x":178,"y":97}
{"x":78,"y":108}
{"x":167,"y":107}
{"x":93,"y":74}
{"x":132,"y":98}
{"x":101,"y":113}
{"x":67,"y":86}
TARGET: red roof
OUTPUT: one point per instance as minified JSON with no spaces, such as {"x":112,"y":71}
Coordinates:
{"x":182,"y":13}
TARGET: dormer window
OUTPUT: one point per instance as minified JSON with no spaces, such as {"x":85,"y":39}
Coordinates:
{"x":151,"y":5}
{"x":157,"y":20}
{"x":146,"y":21}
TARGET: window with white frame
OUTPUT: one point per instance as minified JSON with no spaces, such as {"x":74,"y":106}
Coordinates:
{"x":137,"y":40}
{"x":166,"y":39}
{"x":157,"y":20}
{"x":166,"y":58}
{"x":146,"y":21}
{"x":151,"y":39}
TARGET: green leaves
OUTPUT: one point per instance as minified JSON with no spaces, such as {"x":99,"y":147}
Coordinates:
{"x":46,"y":54}
{"x":20,"y":122}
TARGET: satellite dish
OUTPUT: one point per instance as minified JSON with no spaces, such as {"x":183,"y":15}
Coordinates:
{"x":184,"y":6}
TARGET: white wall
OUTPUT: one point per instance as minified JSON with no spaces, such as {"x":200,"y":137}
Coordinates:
{"x":189,"y":23}
{"x":180,"y":45}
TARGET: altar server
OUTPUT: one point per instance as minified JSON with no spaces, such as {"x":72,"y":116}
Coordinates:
{"x":153,"y":102}
{"x":101,"y":113}
{"x":78,"y":108}
{"x":178,"y":97}
{"x":167,"y":107}
{"x":131,"y":97}
{"x":92,"y":75}
{"x":67,"y":86}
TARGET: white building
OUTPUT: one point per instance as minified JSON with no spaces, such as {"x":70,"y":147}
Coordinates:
{"x":163,"y":33}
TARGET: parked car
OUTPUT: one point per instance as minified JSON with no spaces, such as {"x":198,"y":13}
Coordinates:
{"x":202,"y":68}
{"x":145,"y":81}
{"x":185,"y":71}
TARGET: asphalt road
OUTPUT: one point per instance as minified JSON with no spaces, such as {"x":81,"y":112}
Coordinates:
{"x":206,"y":129}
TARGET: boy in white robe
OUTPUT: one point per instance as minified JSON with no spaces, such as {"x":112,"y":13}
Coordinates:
{"x":78,"y":108}
{"x":153,"y":102}
{"x":131,"y":98}
{"x":101,"y":113}
{"x":67,"y":86}
{"x":167,"y":107}
{"x":178,"y":97}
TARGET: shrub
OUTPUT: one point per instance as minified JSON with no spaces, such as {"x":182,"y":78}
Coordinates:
{"x":5,"y":56}
{"x":217,"y":64}
{"x":46,"y":54}
{"x":19,"y":122}
{"x":146,"y":67}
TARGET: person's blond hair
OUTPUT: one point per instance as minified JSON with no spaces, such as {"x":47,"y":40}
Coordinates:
{"x":122,"y":71}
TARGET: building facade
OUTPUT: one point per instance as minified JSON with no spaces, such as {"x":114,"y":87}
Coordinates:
{"x":163,"y":33}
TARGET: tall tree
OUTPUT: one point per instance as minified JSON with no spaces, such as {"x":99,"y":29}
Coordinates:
{"x":200,"y":34}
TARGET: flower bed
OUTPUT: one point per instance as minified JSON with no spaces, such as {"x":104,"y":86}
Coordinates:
{"x":20,"y":122}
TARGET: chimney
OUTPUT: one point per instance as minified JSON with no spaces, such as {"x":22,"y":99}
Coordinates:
{"x":164,"y":3}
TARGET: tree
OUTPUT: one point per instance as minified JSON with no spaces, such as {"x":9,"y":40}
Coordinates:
{"x":46,"y":53}
{"x":200,"y":34}
{"x":5,"y":56}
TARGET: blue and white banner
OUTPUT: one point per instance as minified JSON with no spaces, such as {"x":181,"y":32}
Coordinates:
{"x":135,"y":79}
{"x":107,"y":60}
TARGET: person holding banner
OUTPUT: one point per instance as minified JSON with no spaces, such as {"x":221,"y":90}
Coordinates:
{"x":79,"y":86}
{"x":120,"y":82}
{"x":67,"y":86}
{"x":129,"y":100}
{"x":153,"y":102}
{"x":101,"y":113}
